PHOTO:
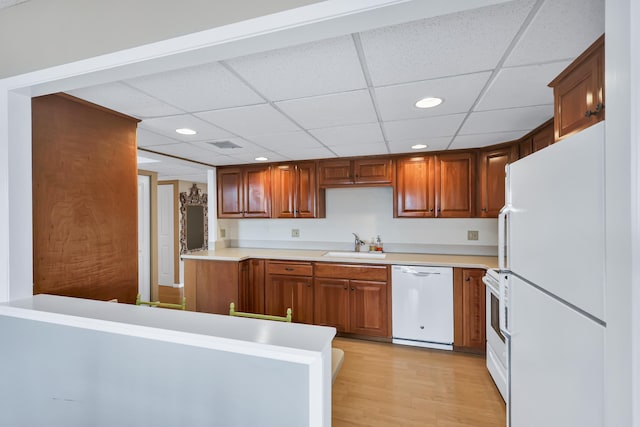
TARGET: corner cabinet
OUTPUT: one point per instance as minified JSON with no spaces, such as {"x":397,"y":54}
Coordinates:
{"x":492,"y":179}
{"x":433,"y":186}
{"x":377,"y":171}
{"x":578,"y":92}
{"x":244,"y":192}
{"x":353,"y":298}
{"x":469,"y":310}
{"x":295,"y":191}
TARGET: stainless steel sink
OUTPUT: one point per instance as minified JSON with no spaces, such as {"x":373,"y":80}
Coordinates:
{"x":347,"y":254}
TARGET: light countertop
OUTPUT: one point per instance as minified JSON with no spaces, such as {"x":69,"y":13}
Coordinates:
{"x":239,"y":254}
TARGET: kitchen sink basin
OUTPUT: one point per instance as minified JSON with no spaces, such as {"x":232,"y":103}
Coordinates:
{"x":346,"y":254}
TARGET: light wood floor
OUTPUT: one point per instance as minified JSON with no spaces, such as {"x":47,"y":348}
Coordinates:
{"x":383,"y":384}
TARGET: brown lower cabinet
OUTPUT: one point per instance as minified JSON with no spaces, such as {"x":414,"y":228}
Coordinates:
{"x":210,"y":286}
{"x":251,"y":286}
{"x":289,"y":285}
{"x":469,"y":308}
{"x":353,"y":298}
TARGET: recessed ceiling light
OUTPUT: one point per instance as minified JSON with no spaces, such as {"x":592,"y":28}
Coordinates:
{"x":428,"y":102}
{"x":261,"y":159}
{"x":186,"y":131}
{"x":419,"y":146}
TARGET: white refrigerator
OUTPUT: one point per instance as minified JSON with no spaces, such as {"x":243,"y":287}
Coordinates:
{"x":552,"y":301}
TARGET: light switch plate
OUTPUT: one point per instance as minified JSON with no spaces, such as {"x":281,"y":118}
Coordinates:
{"x":472,"y":235}
{"x":295,"y":232}
{"x":223,"y":232}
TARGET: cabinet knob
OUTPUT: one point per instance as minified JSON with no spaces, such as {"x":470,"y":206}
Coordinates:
{"x":484,"y":209}
{"x":468,"y":279}
{"x":431,"y":210}
{"x":353,"y":289}
{"x":590,"y":113}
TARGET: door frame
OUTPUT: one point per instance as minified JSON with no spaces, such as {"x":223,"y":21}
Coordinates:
{"x":176,"y":213}
{"x":153,"y":237}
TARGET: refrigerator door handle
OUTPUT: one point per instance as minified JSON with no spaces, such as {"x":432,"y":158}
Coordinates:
{"x":503,"y":261}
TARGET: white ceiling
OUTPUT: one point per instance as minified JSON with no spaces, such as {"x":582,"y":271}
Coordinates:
{"x":354,"y":95}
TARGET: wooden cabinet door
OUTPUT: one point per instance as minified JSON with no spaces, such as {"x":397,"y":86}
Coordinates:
{"x":469,"y":310}
{"x":230,"y":193}
{"x":335,"y":172}
{"x":492,"y":180}
{"x":542,"y":138}
{"x":368,"y":308}
{"x":257,"y":192}
{"x":454,"y":189}
{"x":251,"y":286}
{"x":524,"y":148}
{"x":414,"y":191}
{"x":284,"y":191}
{"x":579,"y":92}
{"x":295,"y":292}
{"x":331,"y":303}
{"x":373,"y":171}
{"x":306,"y":205}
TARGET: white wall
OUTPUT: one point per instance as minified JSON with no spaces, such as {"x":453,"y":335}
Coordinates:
{"x":368,"y":212}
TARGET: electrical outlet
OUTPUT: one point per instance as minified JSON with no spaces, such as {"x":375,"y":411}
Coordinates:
{"x":223,"y":233}
{"x":472,"y":235}
{"x":295,"y":232}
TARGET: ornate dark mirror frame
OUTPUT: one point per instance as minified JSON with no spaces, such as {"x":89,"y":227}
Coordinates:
{"x":195,"y":197}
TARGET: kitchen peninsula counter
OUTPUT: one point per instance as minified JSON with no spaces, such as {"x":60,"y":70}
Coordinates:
{"x":441,"y":260}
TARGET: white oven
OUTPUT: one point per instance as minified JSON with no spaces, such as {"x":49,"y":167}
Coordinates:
{"x":496,"y":342}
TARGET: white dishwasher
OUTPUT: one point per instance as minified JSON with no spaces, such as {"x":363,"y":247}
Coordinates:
{"x":422,"y":306}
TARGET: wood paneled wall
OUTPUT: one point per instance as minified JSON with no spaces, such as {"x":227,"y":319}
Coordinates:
{"x":84,"y":200}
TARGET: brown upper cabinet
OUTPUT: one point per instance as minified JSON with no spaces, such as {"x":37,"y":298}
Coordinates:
{"x":244,"y":192}
{"x":578,"y":92}
{"x":455,"y":190}
{"x":492,"y":179}
{"x":295,"y":191}
{"x":435,"y":186}
{"x":414,"y":192}
{"x":365,"y":171}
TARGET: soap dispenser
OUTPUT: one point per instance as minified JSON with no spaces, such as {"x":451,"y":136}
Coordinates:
{"x":378,"y":244}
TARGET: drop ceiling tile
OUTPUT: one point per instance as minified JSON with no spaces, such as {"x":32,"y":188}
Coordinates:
{"x":310,"y":153}
{"x":429,"y":127}
{"x":453,"y":44}
{"x":433,"y":144}
{"x":368,"y":149}
{"x":348,"y":108}
{"x":147,"y":138}
{"x":250,"y":121}
{"x":349,"y":135}
{"x":251,"y":158}
{"x":197,"y":177}
{"x":521,"y":87}
{"x":285,"y":140}
{"x":458,"y":94}
{"x":201,"y":88}
{"x":184,"y":150}
{"x":243,"y":147}
{"x":513,"y":119}
{"x":560,"y":30}
{"x":126,"y":100}
{"x":167,"y":126}
{"x":311,"y":69}
{"x":485,"y":139}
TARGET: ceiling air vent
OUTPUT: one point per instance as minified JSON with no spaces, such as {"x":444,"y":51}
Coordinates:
{"x":224,"y":144}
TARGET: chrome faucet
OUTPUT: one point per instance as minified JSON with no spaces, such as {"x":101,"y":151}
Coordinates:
{"x":358,"y":242}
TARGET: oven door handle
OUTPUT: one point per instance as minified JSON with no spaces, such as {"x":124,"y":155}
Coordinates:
{"x":504,"y":303}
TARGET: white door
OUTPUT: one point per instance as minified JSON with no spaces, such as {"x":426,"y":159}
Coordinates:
{"x":144,"y":237}
{"x":166,"y":235}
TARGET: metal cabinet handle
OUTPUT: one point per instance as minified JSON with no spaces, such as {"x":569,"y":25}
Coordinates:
{"x":590,"y":113}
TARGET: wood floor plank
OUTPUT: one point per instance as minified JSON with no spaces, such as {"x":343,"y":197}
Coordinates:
{"x":383,"y":384}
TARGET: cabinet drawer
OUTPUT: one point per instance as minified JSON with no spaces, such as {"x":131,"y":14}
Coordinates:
{"x":290,"y":268}
{"x":352,"y":271}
